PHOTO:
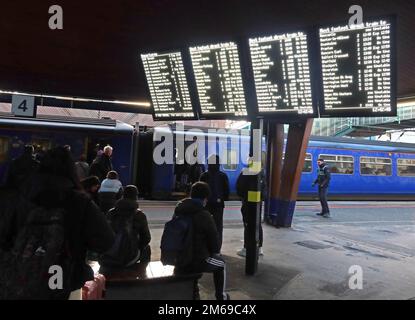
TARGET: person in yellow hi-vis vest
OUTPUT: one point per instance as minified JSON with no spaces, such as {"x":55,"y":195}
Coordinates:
{"x":246,"y":181}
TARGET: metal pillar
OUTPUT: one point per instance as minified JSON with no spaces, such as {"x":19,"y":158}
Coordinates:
{"x":254,"y":201}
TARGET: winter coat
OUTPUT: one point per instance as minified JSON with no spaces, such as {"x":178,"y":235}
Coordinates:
{"x":124,"y":208}
{"x":101,"y":166}
{"x":219,"y":186}
{"x":85,"y":226}
{"x":323,"y":176}
{"x":205,"y":234}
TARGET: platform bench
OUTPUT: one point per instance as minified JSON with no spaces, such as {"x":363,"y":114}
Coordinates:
{"x":152,"y":281}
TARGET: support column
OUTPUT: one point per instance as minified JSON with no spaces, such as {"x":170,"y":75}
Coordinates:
{"x":254,"y":199}
{"x":297,"y":141}
{"x":276,"y":150}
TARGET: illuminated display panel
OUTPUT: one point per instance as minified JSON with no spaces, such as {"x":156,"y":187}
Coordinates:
{"x":281,"y":68}
{"x":358,"y":69}
{"x":218,"y":77}
{"x":168,"y":86}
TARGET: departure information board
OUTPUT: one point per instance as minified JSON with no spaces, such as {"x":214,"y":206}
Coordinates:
{"x":168,"y":85}
{"x":358,"y":69}
{"x":281,"y":68}
{"x":218,"y":77}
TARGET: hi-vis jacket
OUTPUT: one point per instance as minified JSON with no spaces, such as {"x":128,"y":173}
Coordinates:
{"x":323,"y":177}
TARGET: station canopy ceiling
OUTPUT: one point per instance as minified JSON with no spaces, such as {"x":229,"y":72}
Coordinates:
{"x":96,"y":55}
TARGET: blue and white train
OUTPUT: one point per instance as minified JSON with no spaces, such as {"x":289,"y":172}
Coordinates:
{"x":361,"y":169}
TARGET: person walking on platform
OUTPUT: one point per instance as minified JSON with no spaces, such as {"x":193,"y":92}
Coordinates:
{"x":22,"y":168}
{"x":102,"y":164}
{"x":323,"y":180}
{"x":205,"y":242}
{"x":219,"y":193}
{"x":246,"y":181}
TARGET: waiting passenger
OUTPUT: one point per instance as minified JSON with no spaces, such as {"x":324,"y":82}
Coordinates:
{"x":205,"y":253}
{"x":132,"y":233}
{"x":246,"y":182}
{"x":323,"y":181}
{"x":219,"y":193}
{"x":55,"y":200}
{"x":110,"y":191}
{"x":91,"y":186}
{"x":102,"y":164}
{"x":82,"y":167}
{"x":22,"y":168}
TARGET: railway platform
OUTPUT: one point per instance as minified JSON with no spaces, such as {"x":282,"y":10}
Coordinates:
{"x":315,"y":258}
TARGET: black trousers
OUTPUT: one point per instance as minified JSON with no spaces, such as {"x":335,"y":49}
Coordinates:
{"x":217,"y":213}
{"x":215,"y":265}
{"x":245,"y":212}
{"x":322,"y":194}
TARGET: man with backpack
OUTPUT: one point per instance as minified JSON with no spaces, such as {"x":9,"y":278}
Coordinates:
{"x":199,"y":247}
{"x":219,"y":193}
{"x":132,"y":235}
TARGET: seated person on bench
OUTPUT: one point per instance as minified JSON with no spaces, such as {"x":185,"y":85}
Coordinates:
{"x":110,"y":191}
{"x":132,"y":233}
{"x":205,"y":254}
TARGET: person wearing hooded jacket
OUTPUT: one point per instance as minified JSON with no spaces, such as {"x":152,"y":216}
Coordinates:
{"x":56,"y":185}
{"x":127,"y":208}
{"x":205,"y":253}
{"x":219,"y":193}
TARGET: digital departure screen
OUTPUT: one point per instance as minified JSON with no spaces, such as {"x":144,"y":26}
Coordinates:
{"x":168,"y":85}
{"x":218,"y":77}
{"x":281,"y":68}
{"x":358,"y":69}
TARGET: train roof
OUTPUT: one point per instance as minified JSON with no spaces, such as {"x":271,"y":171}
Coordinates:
{"x":352,"y":143}
{"x":66,"y":123}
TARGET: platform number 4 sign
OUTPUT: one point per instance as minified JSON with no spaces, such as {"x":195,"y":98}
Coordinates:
{"x":23,"y":106}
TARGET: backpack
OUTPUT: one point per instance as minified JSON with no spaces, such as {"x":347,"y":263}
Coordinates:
{"x":177,"y":241}
{"x":125,"y":247}
{"x":26,"y":272}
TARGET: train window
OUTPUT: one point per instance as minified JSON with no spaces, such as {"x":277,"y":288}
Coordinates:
{"x":4,"y":149}
{"x":308,"y":162}
{"x":375,"y":166}
{"x":406,"y":167}
{"x":339,"y":164}
{"x":231,"y":160}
